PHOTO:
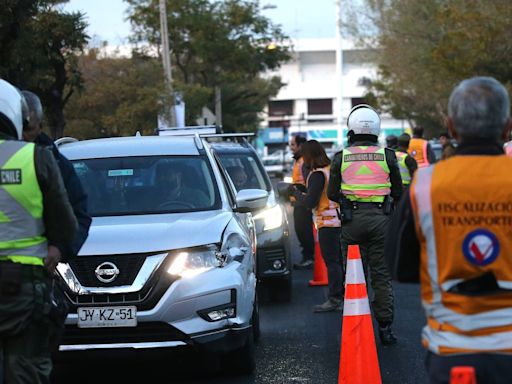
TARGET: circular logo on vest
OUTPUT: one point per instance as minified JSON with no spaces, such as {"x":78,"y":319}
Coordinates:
{"x":413,"y":153}
{"x":106,"y":272}
{"x":481,"y":247}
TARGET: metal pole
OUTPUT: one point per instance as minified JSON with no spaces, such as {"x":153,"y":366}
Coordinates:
{"x":339,"y":71}
{"x":166,"y":59}
{"x":218,"y":106}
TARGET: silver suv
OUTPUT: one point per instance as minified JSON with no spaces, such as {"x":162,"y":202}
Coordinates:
{"x":170,"y":258}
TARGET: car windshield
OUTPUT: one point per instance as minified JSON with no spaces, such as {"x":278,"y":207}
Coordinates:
{"x":148,"y":185}
{"x":245,"y":171}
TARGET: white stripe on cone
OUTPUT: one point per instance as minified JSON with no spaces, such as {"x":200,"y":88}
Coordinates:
{"x":355,"y":272}
{"x":356,"y":307}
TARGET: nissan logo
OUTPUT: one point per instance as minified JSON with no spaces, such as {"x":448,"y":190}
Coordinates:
{"x":106,"y":272}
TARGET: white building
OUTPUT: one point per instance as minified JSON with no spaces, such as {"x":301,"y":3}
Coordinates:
{"x":309,"y":102}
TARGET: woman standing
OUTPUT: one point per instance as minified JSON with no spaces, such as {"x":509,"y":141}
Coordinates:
{"x":326,"y":220}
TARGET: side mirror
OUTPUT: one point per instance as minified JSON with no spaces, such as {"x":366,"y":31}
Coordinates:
{"x":251,"y":200}
{"x":283,"y":189}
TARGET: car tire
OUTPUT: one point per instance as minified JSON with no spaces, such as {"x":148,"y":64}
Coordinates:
{"x":241,"y":361}
{"x":280,"y":290}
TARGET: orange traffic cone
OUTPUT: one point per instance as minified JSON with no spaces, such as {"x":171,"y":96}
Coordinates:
{"x":462,"y":375}
{"x":320,"y":270}
{"x":358,"y":360}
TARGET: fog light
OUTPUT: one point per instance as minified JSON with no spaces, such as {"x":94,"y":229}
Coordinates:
{"x":221,"y":314}
{"x":277,"y":264}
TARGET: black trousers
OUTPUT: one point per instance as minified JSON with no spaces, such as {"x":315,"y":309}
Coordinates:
{"x":490,"y":368}
{"x":303,"y":222}
{"x":330,"y":245}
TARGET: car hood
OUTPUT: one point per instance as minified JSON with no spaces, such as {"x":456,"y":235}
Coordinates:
{"x":154,"y":233}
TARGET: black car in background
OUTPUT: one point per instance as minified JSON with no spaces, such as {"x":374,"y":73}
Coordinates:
{"x":246,"y":171}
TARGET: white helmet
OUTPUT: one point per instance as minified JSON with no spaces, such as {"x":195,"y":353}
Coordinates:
{"x":12,"y":109}
{"x":363,"y":120}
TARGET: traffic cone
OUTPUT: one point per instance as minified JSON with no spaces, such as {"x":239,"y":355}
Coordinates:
{"x":320,"y":270}
{"x":462,"y":375}
{"x":358,"y":359}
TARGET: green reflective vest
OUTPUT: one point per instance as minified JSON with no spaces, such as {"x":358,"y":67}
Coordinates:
{"x":404,"y":171}
{"x":365,"y":174}
{"x":21,"y":205}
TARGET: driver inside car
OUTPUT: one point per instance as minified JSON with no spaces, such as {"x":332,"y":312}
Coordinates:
{"x":173,"y":191}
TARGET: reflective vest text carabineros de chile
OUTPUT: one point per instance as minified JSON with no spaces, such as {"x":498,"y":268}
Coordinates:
{"x":404,"y":171}
{"x":365,"y":174}
{"x":21,"y":205}
{"x":418,"y":150}
{"x":465,"y":234}
{"x":325,"y":214}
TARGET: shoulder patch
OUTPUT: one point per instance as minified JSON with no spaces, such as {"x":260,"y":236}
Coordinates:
{"x":10,"y":176}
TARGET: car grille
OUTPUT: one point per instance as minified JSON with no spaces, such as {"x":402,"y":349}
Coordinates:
{"x":143,"y":332}
{"x":128,"y":265}
{"x":274,"y":253}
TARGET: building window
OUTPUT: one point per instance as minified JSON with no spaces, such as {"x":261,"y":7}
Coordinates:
{"x":320,"y":107}
{"x":279,"y":124}
{"x":280,"y":108}
{"x":358,"y":100}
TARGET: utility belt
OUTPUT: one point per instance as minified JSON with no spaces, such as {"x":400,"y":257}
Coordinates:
{"x":349,"y":206}
{"x":12,"y":275}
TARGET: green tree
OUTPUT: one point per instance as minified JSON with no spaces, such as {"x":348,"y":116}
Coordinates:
{"x":120,"y":97}
{"x":39,"y":43}
{"x":428,"y":46}
{"x":217,"y":43}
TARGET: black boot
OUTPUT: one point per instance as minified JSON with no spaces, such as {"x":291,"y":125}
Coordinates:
{"x":387,"y":337}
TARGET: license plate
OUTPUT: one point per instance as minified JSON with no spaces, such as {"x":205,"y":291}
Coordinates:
{"x":102,"y":317}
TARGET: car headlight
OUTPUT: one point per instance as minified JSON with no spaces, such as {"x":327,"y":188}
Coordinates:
{"x":193,"y":262}
{"x":272,"y":217}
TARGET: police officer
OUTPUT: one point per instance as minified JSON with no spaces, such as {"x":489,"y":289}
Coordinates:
{"x":420,"y":149}
{"x":365,"y":178}
{"x":406,"y":162}
{"x":456,"y":239}
{"x":35,"y":214}
{"x":77,"y":197}
{"x":302,"y":215}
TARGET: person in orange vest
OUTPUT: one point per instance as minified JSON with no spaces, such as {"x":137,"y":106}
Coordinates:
{"x":455,"y":238}
{"x":406,"y":162}
{"x":365,"y":179}
{"x":326,"y":219}
{"x":420,"y":149}
{"x":302,"y":215}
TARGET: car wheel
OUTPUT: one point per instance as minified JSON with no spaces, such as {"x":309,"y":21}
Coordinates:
{"x":242,"y":360}
{"x":280,"y":290}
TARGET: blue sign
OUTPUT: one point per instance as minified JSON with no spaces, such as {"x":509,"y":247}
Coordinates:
{"x":481,"y":247}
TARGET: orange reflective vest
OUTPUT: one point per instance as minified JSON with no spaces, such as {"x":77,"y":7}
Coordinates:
{"x":465,"y":232}
{"x":325,"y":214}
{"x":418,"y":150}
{"x":297,"y":176}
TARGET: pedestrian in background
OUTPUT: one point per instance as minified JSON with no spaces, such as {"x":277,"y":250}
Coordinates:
{"x":420,"y":149}
{"x":392,"y":142}
{"x":326,"y":219}
{"x":302,"y":215}
{"x":365,"y":178}
{"x":35,"y":216}
{"x":456,"y":240}
{"x":448,"y":149}
{"x":406,"y":162}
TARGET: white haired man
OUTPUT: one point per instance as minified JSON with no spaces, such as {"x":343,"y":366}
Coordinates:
{"x":456,"y":239}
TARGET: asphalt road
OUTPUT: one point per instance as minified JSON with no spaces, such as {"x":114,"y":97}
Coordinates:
{"x":296,"y":346}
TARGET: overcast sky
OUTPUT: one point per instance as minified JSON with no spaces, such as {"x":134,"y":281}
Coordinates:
{"x":299,"y":18}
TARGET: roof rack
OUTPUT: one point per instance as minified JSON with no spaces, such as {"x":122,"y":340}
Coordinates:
{"x":190,"y":130}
